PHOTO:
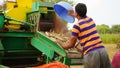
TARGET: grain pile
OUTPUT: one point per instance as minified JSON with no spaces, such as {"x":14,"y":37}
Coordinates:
{"x":61,"y":39}
{"x":57,"y":37}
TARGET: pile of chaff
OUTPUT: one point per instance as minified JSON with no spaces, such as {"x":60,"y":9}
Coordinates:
{"x":57,"y":37}
{"x":64,"y":40}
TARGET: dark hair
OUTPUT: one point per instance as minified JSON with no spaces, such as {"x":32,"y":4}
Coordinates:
{"x":81,"y":9}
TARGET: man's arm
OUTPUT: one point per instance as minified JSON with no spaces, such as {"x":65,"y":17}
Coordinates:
{"x":71,"y":43}
{"x":72,"y":13}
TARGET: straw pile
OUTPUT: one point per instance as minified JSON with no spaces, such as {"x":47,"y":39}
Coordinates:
{"x":57,"y":37}
{"x":61,"y":39}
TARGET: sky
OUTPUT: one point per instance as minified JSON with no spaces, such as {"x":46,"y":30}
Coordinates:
{"x":102,"y":11}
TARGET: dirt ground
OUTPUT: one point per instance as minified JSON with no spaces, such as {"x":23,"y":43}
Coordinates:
{"x":111,"y":49}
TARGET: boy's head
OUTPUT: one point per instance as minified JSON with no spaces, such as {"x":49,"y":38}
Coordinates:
{"x":81,"y":9}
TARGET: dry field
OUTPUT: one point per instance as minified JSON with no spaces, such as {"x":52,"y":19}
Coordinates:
{"x":111,"y":49}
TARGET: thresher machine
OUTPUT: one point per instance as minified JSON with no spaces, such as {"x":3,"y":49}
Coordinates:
{"x":21,"y":42}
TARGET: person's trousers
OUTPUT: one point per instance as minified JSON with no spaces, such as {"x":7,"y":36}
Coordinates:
{"x":97,"y":59}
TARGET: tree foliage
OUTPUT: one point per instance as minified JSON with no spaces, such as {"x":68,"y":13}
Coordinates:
{"x":103,"y":29}
{"x":115,"y":29}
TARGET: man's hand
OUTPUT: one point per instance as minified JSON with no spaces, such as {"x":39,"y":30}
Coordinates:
{"x":70,"y":44}
{"x":71,"y":13}
{"x":62,"y":45}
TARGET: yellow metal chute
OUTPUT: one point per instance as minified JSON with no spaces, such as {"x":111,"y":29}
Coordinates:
{"x":17,"y":13}
{"x":18,"y":10}
{"x":20,"y":3}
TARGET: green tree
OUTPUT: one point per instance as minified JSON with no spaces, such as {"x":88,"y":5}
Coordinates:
{"x":103,"y":29}
{"x":115,"y":28}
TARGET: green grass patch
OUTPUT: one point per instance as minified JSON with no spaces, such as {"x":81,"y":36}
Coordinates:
{"x":109,"y":38}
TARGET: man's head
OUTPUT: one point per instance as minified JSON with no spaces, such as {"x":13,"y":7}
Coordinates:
{"x":81,"y":9}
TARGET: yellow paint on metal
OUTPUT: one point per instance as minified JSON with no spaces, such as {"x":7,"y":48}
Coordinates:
{"x":25,"y":3}
{"x":23,"y":6}
{"x":20,"y":3}
{"x":15,"y":27}
{"x":10,"y":5}
{"x":18,"y":13}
